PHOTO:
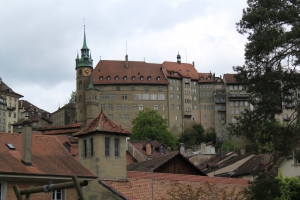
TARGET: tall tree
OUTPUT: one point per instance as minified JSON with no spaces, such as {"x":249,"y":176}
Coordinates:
{"x":73,"y":97}
{"x":271,"y":72}
{"x":149,"y":124}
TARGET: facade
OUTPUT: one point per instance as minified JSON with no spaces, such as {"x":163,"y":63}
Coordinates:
{"x":3,"y":109}
{"x":64,"y":115}
{"x":102,"y":149}
{"x":12,"y":101}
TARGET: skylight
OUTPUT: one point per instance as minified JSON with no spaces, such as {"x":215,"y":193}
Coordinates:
{"x":10,"y":146}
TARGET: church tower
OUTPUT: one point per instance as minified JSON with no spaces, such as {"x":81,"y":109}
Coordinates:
{"x":84,"y":68}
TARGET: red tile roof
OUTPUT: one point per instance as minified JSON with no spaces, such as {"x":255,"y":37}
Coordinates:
{"x":138,"y":184}
{"x":102,"y":123}
{"x":140,"y":145}
{"x":185,"y":70}
{"x":5,"y":90}
{"x":229,"y":79}
{"x":113,"y":69}
{"x":129,"y":158}
{"x":207,"y":78}
{"x":73,"y":147}
{"x":50,"y":128}
{"x":49,"y":157}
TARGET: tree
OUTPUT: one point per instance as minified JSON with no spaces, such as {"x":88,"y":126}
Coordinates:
{"x":73,"y":97}
{"x":271,"y":72}
{"x":149,"y":124}
{"x":189,"y":137}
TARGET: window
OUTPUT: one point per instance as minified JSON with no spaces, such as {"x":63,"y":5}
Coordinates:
{"x":246,"y":103}
{"x":141,"y":107}
{"x":116,"y":147}
{"x":233,"y":120}
{"x":159,"y":88}
{"x":112,"y":96}
{"x":145,"y":96}
{"x":134,"y":106}
{"x":235,"y":87}
{"x":172,"y":96}
{"x":232,"y":110}
{"x":204,"y":116}
{"x":178,"y":96}
{"x":163,"y":107}
{"x":230,"y":87}
{"x":9,"y":114}
{"x":126,"y":116}
{"x":101,"y":78}
{"x":158,"y":78}
{"x":297,"y":157}
{"x":118,"y":88}
{"x":236,"y":103}
{"x":80,"y":84}
{"x":110,"y":107}
{"x":125,"y":106}
{"x":155,"y":107}
{"x":195,"y":98}
{"x":178,"y":107}
{"x":236,"y":111}
{"x":58,"y":195}
{"x":108,"y":78}
{"x":137,"y":97}
{"x":240,"y":87}
{"x":107,"y":96}
{"x":178,"y":88}
{"x":124,"y":96}
{"x":176,"y":117}
{"x":133,"y":78}
{"x":107,"y":146}
{"x":146,"y":87}
{"x":132,"y":87}
{"x":241,"y":103}
{"x":111,"y":116}
{"x":119,"y":107}
{"x":84,"y":148}
{"x":92,"y":146}
{"x":149,"y":78}
{"x":141,"y":78}
{"x":172,"y":106}
{"x":120,"y":116}
{"x":171,"y":87}
{"x":231,"y":103}
{"x":117,"y":78}
{"x":80,"y":72}
{"x":161,"y":96}
{"x":153,"y":96}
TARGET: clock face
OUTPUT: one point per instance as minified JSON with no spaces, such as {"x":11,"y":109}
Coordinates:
{"x":86,"y":71}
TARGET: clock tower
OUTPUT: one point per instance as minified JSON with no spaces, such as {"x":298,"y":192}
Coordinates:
{"x":84,"y":68}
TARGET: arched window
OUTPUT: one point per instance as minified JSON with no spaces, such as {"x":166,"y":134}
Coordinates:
{"x":108,"y":78}
{"x":149,"y":78}
{"x":141,"y":78}
{"x":133,"y":78}
{"x":80,"y":72}
{"x":158,"y":78}
{"x":80,"y":85}
{"x":80,"y":98}
{"x":125,"y":78}
{"x":101,"y":78}
{"x":117,"y":77}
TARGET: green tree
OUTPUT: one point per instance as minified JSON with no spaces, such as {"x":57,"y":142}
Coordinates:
{"x":189,"y":137}
{"x":271,"y":72}
{"x":73,"y":97}
{"x":149,"y":124}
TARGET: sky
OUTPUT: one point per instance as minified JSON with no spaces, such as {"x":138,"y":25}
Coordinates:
{"x":39,"y":40}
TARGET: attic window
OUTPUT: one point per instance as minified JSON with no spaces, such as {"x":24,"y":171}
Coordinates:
{"x":141,"y":78}
{"x":133,"y":78}
{"x":201,"y":78}
{"x":158,"y":78}
{"x":10,"y":146}
{"x":108,"y":78}
{"x":208,"y":78}
{"x":125,"y":78}
{"x":101,"y":78}
{"x":117,"y":77}
{"x":149,"y":78}
{"x":188,"y":70}
{"x":170,"y":73}
{"x":176,"y":74}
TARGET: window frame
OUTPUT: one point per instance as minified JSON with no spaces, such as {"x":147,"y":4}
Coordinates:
{"x":117,"y":147}
{"x":106,"y":146}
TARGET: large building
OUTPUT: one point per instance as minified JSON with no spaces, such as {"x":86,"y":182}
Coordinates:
{"x":121,"y":88}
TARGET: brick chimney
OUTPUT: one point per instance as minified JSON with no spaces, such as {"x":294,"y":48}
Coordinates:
{"x":126,"y":61}
{"x":26,"y":141}
{"x":148,"y":147}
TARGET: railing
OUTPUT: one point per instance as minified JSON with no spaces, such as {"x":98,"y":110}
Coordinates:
{"x":237,"y":95}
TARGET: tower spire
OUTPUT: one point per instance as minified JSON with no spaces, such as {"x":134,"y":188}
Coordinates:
{"x":84,"y":41}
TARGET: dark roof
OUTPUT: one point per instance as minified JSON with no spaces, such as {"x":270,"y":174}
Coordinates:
{"x":185,"y":70}
{"x":67,"y":106}
{"x":251,"y":165}
{"x":158,"y":162}
{"x":5,"y":90}
{"x":137,"y":69}
{"x":102,"y":123}
{"x":49,"y":157}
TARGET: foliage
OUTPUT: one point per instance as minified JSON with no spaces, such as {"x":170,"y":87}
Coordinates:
{"x":204,"y":191}
{"x":271,"y":72}
{"x":290,"y":187}
{"x":149,"y":124}
{"x":73,"y":97}
{"x":266,"y":186}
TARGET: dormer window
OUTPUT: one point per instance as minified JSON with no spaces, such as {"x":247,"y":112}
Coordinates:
{"x":117,"y":77}
{"x":141,"y":78}
{"x":149,"y":78}
{"x":170,"y":73}
{"x":201,"y":78}
{"x":158,"y":78}
{"x":176,"y":74}
{"x":208,"y":78}
{"x":101,"y":78}
{"x":125,"y":78}
{"x":108,"y":78}
{"x":133,"y":78}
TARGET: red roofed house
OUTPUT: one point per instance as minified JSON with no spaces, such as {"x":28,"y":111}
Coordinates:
{"x":102,"y":149}
{"x":34,"y":160}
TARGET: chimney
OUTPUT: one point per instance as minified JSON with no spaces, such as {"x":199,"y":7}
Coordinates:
{"x":126,"y":61}
{"x":193,"y":64}
{"x":148,"y":147}
{"x":179,"y":59}
{"x":203,"y":148}
{"x":182,"y":149}
{"x":26,"y":141}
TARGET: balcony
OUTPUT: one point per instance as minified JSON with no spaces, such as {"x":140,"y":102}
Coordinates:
{"x":221,"y":108}
{"x":237,"y":96}
{"x":286,"y":119}
{"x":217,"y":101}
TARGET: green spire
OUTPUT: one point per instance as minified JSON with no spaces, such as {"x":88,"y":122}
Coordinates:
{"x":77,"y":56}
{"x":91,"y":85}
{"x":84,"y":41}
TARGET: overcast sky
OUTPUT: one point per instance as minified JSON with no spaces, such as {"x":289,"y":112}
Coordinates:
{"x":39,"y":40}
